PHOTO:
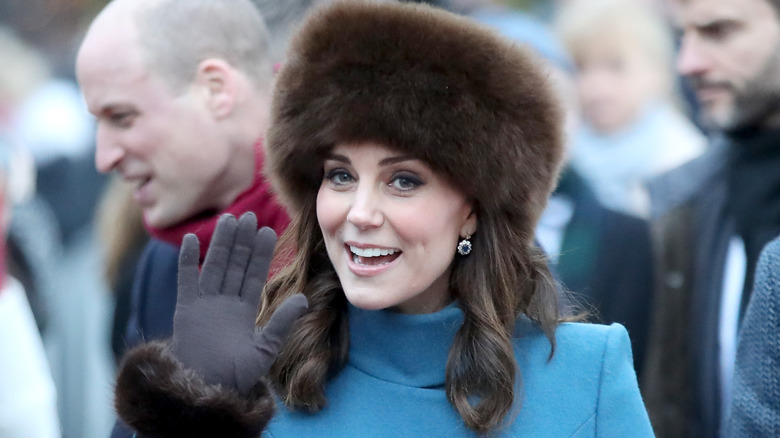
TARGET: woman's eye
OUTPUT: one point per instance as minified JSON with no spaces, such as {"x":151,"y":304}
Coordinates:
{"x":339,"y":176}
{"x":405,"y":182}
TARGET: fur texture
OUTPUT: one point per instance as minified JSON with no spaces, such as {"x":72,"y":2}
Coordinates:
{"x":158,"y":397}
{"x":429,"y":83}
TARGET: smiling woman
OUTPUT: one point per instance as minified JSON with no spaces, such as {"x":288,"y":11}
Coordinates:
{"x":398,"y":132}
{"x":389,"y":224}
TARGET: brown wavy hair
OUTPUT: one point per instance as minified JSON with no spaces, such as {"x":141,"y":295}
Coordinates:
{"x":500,"y":280}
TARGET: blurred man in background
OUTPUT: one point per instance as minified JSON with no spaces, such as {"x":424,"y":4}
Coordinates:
{"x":713,"y":216}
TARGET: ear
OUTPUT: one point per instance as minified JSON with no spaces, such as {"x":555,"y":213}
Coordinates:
{"x":469,"y":227}
{"x":217,"y":80}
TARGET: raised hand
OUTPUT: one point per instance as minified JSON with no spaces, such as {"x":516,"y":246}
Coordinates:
{"x":214,"y":330}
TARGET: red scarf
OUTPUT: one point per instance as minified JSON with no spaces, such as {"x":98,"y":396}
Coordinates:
{"x":257,"y":198}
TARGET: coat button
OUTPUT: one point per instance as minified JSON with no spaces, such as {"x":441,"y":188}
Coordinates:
{"x":675,"y":279}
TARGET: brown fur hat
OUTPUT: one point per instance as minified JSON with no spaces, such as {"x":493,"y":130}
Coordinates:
{"x":427,"y":82}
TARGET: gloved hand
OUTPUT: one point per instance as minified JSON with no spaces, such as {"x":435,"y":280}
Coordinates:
{"x":214,"y":329}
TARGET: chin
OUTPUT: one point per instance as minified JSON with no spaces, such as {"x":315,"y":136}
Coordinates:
{"x":365,"y":302}
{"x":157,"y":220}
{"x":720,"y":121}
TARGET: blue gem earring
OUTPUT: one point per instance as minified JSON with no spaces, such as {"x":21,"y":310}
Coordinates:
{"x":464,"y":247}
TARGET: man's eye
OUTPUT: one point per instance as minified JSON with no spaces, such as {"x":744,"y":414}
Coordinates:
{"x":121,"y":119}
{"x":719,"y":31}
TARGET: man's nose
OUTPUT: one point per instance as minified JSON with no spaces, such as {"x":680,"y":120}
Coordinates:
{"x":108,"y":152}
{"x":691,"y":59}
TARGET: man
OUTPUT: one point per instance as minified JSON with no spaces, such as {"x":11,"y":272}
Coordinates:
{"x":180,"y":90}
{"x":712,"y":216}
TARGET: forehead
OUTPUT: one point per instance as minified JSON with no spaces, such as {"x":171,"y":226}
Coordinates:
{"x":111,"y":69}
{"x":702,"y":12}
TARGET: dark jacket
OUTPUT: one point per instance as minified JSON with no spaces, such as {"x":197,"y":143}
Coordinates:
{"x":153,"y":302}
{"x":691,"y":229}
{"x":731,"y":191}
{"x":154,"y":294}
{"x":605,"y":260}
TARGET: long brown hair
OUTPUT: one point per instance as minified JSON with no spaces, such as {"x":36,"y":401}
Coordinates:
{"x":505,"y":276}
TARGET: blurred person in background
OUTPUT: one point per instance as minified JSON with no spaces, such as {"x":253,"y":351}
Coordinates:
{"x":180,"y":90}
{"x":28,"y":406}
{"x":631,"y":129}
{"x":58,"y":273}
{"x":755,"y":410}
{"x":713,"y":216}
{"x":24,"y":71}
{"x":51,"y":120}
{"x":601,"y":255}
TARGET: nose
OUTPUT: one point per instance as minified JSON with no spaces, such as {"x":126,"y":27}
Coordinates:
{"x":108,"y":153}
{"x":365,"y":211}
{"x":691,"y":58}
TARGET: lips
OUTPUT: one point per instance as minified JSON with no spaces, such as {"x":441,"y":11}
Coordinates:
{"x":708,"y":93}
{"x":709,"y":89}
{"x":142,"y":192}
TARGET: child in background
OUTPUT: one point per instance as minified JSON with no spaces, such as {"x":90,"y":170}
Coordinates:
{"x":631,"y":129}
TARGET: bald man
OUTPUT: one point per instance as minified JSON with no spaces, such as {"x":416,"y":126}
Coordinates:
{"x":180,"y":90}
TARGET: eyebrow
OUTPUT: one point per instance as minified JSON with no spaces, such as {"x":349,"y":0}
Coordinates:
{"x":383,"y":162}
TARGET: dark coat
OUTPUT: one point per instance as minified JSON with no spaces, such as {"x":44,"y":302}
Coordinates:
{"x":691,"y":229}
{"x":153,"y":302}
{"x":605,"y":260}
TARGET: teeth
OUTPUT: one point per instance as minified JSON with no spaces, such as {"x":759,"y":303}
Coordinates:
{"x":371,"y":252}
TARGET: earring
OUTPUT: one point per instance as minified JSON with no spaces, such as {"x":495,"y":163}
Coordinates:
{"x":464,"y":247}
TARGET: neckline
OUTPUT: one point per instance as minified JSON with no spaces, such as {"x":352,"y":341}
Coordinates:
{"x":410,"y":350}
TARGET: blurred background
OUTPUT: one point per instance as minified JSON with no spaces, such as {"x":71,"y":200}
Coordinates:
{"x":73,"y":235}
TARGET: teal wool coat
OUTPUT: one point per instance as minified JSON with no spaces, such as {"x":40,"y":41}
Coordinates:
{"x":393,"y":384}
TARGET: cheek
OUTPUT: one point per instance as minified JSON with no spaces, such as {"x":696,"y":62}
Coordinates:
{"x":147,"y":141}
{"x":329,"y":212}
{"x":598,"y":86}
{"x":746,"y":58}
{"x":434,"y":226}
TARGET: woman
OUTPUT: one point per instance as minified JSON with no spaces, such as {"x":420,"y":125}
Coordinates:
{"x":415,"y":152}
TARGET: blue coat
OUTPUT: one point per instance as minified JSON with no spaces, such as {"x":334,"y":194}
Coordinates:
{"x":393,"y":383}
{"x":755,"y":408}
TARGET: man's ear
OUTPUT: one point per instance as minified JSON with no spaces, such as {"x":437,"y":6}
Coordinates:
{"x":217,"y":80}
